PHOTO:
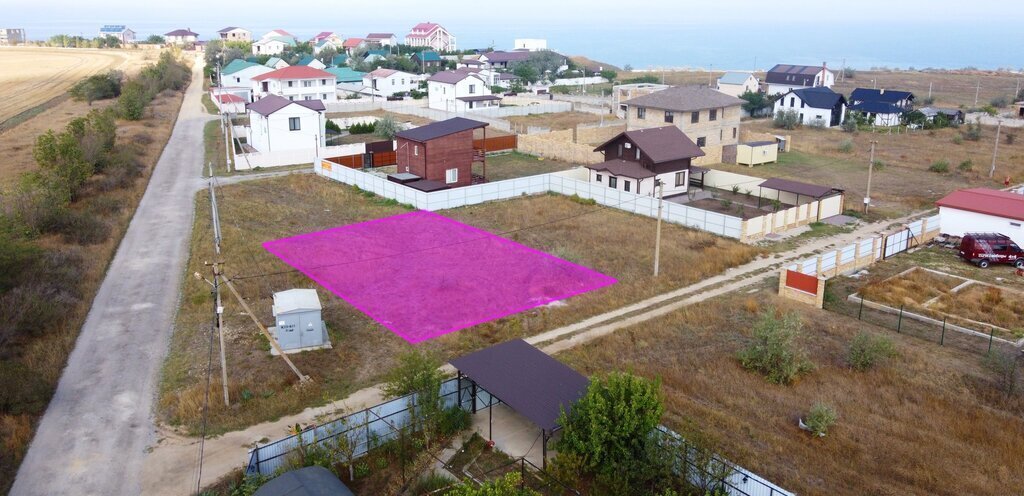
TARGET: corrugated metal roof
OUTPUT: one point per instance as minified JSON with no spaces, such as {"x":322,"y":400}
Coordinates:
{"x":879,"y":95}
{"x":685,"y":99}
{"x":799,"y":188}
{"x":819,"y":97}
{"x":296,"y":300}
{"x":986,"y":201}
{"x":622,"y":168}
{"x":237,"y":65}
{"x":660,"y":144}
{"x":436,"y":130}
{"x":294,"y":72}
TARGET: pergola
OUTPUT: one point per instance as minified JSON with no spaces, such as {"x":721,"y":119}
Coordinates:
{"x":526,"y":379}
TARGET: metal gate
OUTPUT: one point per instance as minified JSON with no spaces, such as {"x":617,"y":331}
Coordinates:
{"x":896,"y":243}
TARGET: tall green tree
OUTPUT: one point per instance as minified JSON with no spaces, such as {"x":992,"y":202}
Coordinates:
{"x":60,"y":155}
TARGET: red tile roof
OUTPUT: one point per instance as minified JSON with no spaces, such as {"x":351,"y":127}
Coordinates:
{"x":382,"y":73}
{"x":229,"y":98}
{"x":986,"y":201}
{"x":425,"y":27}
{"x":295,"y":72}
{"x":352,"y":42}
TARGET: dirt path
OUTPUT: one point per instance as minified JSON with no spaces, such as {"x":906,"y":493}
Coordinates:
{"x":171,"y":465}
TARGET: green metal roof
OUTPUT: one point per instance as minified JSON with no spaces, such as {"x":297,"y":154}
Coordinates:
{"x":237,"y":65}
{"x":346,"y":74}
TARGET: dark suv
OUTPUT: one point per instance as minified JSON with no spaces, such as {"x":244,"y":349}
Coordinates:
{"x":984,"y":249}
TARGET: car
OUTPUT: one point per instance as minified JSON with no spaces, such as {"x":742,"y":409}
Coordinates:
{"x":984,"y":249}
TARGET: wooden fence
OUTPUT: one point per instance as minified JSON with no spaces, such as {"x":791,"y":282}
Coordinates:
{"x":381,"y":152}
{"x":496,"y":143}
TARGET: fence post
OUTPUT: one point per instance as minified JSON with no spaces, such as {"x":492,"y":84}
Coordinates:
{"x":991,"y":334}
{"x":942,"y":339}
{"x":899,"y":323}
{"x":860,"y":313}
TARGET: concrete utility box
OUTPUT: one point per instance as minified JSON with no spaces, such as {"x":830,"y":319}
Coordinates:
{"x":754,"y":153}
{"x":299,"y":326}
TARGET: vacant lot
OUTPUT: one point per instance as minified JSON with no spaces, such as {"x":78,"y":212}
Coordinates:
{"x":562,"y":120}
{"x":948,"y":88}
{"x":929,"y":421}
{"x":258,"y":211}
{"x":515,"y":164}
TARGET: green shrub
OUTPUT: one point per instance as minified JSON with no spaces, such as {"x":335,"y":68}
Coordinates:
{"x":990,"y":110}
{"x":820,"y":419}
{"x":999,"y":102}
{"x":332,"y":126}
{"x":866,"y":351}
{"x":940,"y":167}
{"x":362,"y":128}
{"x":878,"y":165}
{"x":454,"y":420}
{"x":386,"y":127}
{"x":958,"y":139}
{"x":849,"y":125}
{"x":966,"y":165}
{"x":97,"y":87}
{"x":775,"y":352}
{"x":846,"y":146}
{"x":972,"y":131}
{"x":432,"y":482}
{"x":786,"y":119}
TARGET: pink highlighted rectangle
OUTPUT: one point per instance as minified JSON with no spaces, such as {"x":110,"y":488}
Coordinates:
{"x":423,"y":275}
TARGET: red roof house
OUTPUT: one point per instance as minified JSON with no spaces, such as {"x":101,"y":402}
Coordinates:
{"x":982,"y":210}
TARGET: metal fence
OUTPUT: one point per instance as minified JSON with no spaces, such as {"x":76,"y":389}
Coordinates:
{"x":713,"y":473}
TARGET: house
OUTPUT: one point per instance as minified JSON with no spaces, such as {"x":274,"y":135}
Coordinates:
{"x":325,"y":45}
{"x":502,"y":60}
{"x":181,"y":37}
{"x":427,"y":60}
{"x":278,"y":32}
{"x":346,"y":75}
{"x":440,"y":152}
{"x":952,"y":115}
{"x":16,"y":36}
{"x":277,"y":123}
{"x":119,"y":31}
{"x":299,"y":326}
{"x":237,"y":76}
{"x":459,"y":91}
{"x":227,"y":102}
{"x":382,"y":39}
{"x":352,"y":44}
{"x":339,"y":60}
{"x":636,"y":161}
{"x":530,"y":44}
{"x":387,"y":82}
{"x":785,"y":77}
{"x":374,"y":55}
{"x":310,"y":61}
{"x":429,"y":34}
{"x":709,"y":117}
{"x":737,"y":83}
{"x":469,"y":63}
{"x":818,"y":106}
{"x":296,"y":83}
{"x":272,"y":45}
{"x":881,"y":107}
{"x":235,"y":34}
{"x":982,"y":210}
{"x":327,"y":36}
{"x":276,"y":63}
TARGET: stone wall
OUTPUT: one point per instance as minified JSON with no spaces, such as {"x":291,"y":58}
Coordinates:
{"x":558,"y":148}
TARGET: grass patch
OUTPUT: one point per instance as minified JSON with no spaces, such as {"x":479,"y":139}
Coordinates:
{"x":208,"y":104}
{"x":516,"y":164}
{"x":213,"y":146}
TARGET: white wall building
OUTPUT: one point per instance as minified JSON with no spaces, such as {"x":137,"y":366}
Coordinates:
{"x":431,"y":35}
{"x":983,"y":210}
{"x":119,"y":31}
{"x":387,"y":82}
{"x":737,"y":83}
{"x":818,"y":106}
{"x":459,"y":91}
{"x":237,"y":77}
{"x":235,"y":34}
{"x":278,"y":124}
{"x":531,"y":44}
{"x":274,"y":45}
{"x":785,"y":77}
{"x":382,"y":39}
{"x":181,"y":37}
{"x":296,"y":83}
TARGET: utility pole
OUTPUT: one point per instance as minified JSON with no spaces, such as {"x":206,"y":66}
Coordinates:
{"x":711,"y":67}
{"x":929,"y":89}
{"x":218,"y":305}
{"x":871,"y":167}
{"x":657,"y":232}
{"x":977,"y":91}
{"x":227,"y":142}
{"x":995,"y":151}
{"x":842,"y":71}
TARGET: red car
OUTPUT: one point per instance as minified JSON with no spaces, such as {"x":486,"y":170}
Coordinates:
{"x":984,"y":249}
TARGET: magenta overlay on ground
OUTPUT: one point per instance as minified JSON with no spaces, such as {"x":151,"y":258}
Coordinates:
{"x":423,"y":275}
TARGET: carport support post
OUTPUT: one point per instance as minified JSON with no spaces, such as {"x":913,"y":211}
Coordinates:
{"x":544,"y":449}
{"x":899,"y":323}
{"x":472,"y":396}
{"x":991,"y":333}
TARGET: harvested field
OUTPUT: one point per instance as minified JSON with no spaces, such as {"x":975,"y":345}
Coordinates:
{"x":562,"y":120}
{"x":949,"y":88}
{"x":258,"y":211}
{"x":928,"y":421}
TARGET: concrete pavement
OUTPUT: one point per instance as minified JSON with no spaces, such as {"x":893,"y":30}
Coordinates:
{"x":98,"y":427}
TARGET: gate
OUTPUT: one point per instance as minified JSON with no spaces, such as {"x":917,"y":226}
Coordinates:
{"x":896,"y":243}
{"x":729,"y":154}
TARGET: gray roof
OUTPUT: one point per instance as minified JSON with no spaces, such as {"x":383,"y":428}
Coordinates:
{"x":439,"y":129}
{"x":685,"y":99}
{"x":660,"y":144}
{"x":272,"y":103}
{"x":623,"y":168}
{"x":449,"y":77}
{"x":734,"y":78}
{"x":296,"y":300}
{"x":799,"y":188}
{"x":307,"y":481}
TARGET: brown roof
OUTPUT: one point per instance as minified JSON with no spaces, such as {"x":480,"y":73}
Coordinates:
{"x":379,"y":36}
{"x":624,"y":168}
{"x":382,"y":73}
{"x":272,"y":103}
{"x":685,"y":99}
{"x":660,"y":144}
{"x":450,"y":77}
{"x":799,"y":188}
{"x":439,"y":129}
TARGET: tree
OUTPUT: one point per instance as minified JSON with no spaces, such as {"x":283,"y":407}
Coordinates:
{"x":417,"y":372}
{"x":97,"y":87}
{"x":60,"y":155}
{"x":757,"y":104}
{"x":507,"y":485}
{"x":155,"y":39}
{"x":609,"y":74}
{"x":386,"y":127}
{"x":627,"y":68}
{"x":786,"y":119}
{"x":132,"y":102}
{"x":327,"y":56}
{"x":526,"y":72}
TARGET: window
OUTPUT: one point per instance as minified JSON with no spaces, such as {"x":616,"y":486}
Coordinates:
{"x":641,"y":112}
{"x":792,"y":101}
{"x":393,"y":82}
{"x":472,"y":89}
{"x":451,"y":176}
{"x":416,"y":150}
{"x":694,"y":117}
{"x":291,"y":98}
{"x":721,"y":133}
{"x":599,"y":178}
{"x":323,"y":96}
{"x":323,"y":82}
{"x":294,"y":124}
{"x":1015,"y":224}
{"x":638,"y":154}
{"x":680,"y":179}
{"x":291,"y":83}
{"x":801,"y":116}
{"x":625,"y":185}
{"x":803,"y":104}
{"x":669,"y":117}
{"x":702,"y":142}
{"x":238,"y":80}
{"x":612,"y":181}
{"x":713,"y":115}
{"x":733,"y":133}
{"x":307,"y":84}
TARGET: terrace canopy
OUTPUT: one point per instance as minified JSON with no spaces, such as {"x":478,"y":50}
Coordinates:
{"x":811,"y":191}
{"x":526,"y":379}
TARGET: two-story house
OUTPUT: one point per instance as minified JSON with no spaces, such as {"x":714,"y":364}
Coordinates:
{"x":737,"y":83}
{"x":784,"y":77}
{"x":296,"y":83}
{"x":277,"y":123}
{"x":387,"y":82}
{"x":381,"y":39}
{"x":433,"y":35}
{"x":881,"y":107}
{"x":637,"y":161}
{"x":459,"y":91}
{"x":441,"y":152}
{"x":181,"y":37}
{"x":236,"y":77}
{"x":427,"y":60}
{"x":708,"y":116}
{"x":119,"y":31}
{"x":818,"y":106}
{"x":235,"y":34}
{"x":272,"y":45}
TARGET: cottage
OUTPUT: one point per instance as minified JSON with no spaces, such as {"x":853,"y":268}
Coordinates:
{"x":273,"y":45}
{"x":276,"y":63}
{"x":277,"y":123}
{"x":637,"y":161}
{"x":320,"y":46}
{"x":388,"y":82}
{"x":429,"y":34}
{"x":278,"y":32}
{"x":982,"y":210}
{"x":181,"y":37}
{"x":953,"y":116}
{"x":237,"y":76}
{"x":352,"y":44}
{"x":382,"y":39}
{"x":785,"y":77}
{"x":459,"y":91}
{"x":119,"y":31}
{"x":226,"y":102}
{"x":817,"y":106}
{"x":440,"y":153}
{"x":881,"y":107}
{"x":502,"y":60}
{"x":737,"y":83}
{"x":235,"y":34}
{"x":296,"y":83}
{"x":299,"y":326}
{"x":327,"y":36}
{"x":310,"y":61}
{"x":427,"y":60}
{"x":346,"y":75}
{"x":710,"y":117}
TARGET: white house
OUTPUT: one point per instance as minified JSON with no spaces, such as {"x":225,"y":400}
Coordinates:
{"x":276,"y":63}
{"x":273,"y":45}
{"x":277,"y":124}
{"x":531,"y":44}
{"x":881,"y":107}
{"x":382,"y":39}
{"x":310,"y":61}
{"x":296,"y":83}
{"x":119,"y":31}
{"x":982,"y":210}
{"x":459,"y":91}
{"x":235,"y":34}
{"x":431,"y":35}
{"x":181,"y":37}
{"x":785,"y":77}
{"x":327,"y":36}
{"x":737,"y":83}
{"x":387,"y":82}
{"x":636,"y":161}
{"x":326,"y":44}
{"x":818,"y":106}
{"x":236,"y":77}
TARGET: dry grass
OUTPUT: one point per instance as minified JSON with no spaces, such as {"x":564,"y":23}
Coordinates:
{"x":258,"y":211}
{"x":987,"y":304}
{"x":414,"y":119}
{"x":928,"y":422}
{"x":514,"y":164}
{"x":561,"y":120}
{"x":949,"y":88}
{"x":913,"y":288}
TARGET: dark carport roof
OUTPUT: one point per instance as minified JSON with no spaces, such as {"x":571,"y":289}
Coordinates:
{"x":623,"y":168}
{"x":526,"y":379}
{"x":308,"y":481}
{"x":436,"y":130}
{"x":799,"y":188}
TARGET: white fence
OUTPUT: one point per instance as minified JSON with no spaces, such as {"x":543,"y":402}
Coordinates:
{"x":565,"y":184}
{"x":249,"y":161}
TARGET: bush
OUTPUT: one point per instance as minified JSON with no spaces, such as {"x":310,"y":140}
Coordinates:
{"x":775,"y":352}
{"x":966,"y":166}
{"x":1010,"y":138}
{"x":432,"y":482}
{"x":820,"y":419}
{"x":972,"y":131}
{"x":866,"y":351}
{"x":849,"y":125}
{"x":786,"y":119}
{"x":386,"y":127}
{"x":507,"y":485}
{"x":940,"y":167}
{"x":990,"y":110}
{"x":999,"y":102}
{"x":928,"y":100}
{"x":97,"y":87}
{"x":958,"y":139}
{"x":878,"y":165}
{"x":359,"y":128}
{"x":332,"y":126}
{"x":419,"y":95}
{"x":846,"y":146}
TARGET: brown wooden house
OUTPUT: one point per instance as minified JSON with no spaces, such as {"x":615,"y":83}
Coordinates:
{"x":635,"y":160}
{"x":441,"y":152}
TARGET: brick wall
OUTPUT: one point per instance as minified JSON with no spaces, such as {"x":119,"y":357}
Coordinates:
{"x":717,"y":133}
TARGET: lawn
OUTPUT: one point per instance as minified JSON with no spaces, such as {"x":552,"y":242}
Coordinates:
{"x":561,"y":120}
{"x":929,"y":421}
{"x":259,"y":211}
{"x":213,"y":146}
{"x":515,"y":164}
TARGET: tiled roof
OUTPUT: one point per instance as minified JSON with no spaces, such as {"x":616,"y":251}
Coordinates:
{"x":379,"y":36}
{"x":685,"y":99}
{"x":294,"y":72}
{"x":661,"y":144}
{"x":986,"y":201}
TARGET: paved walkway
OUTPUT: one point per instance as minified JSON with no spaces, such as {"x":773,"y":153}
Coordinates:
{"x":99,"y":424}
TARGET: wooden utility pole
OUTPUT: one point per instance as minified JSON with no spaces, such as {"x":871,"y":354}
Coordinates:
{"x":995,"y":151}
{"x":929,"y":89}
{"x":657,"y":232}
{"x":218,"y":306}
{"x":842,"y":72}
{"x":871,"y":167}
{"x":266,"y":333}
{"x":977,"y":91}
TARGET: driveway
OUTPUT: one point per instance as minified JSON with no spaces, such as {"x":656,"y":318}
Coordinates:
{"x":99,"y":424}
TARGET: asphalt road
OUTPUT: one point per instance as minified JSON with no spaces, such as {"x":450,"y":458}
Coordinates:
{"x":97,"y":428}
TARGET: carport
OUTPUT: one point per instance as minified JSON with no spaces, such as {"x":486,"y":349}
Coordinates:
{"x":526,"y":379}
{"x":809,"y":192}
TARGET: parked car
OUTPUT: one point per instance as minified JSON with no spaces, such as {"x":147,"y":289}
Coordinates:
{"x":984,"y":249}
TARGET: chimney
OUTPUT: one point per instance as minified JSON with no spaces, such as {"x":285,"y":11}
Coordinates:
{"x":824,"y":70}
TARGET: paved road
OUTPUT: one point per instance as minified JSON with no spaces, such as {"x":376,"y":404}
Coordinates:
{"x":95,"y":433}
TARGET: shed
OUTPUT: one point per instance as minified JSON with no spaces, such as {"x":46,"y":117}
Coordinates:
{"x":754,"y":153}
{"x":982,"y":210}
{"x":306,"y":481}
{"x":441,"y":152}
{"x":299,"y":324}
